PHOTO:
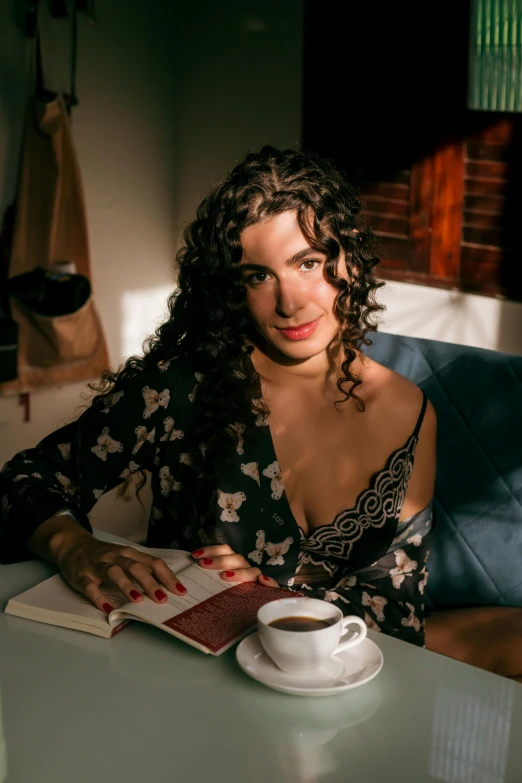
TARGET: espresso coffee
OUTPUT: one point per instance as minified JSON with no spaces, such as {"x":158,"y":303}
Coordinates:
{"x":301,"y":623}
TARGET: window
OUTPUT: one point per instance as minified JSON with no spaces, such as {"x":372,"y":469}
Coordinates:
{"x":385,"y":94}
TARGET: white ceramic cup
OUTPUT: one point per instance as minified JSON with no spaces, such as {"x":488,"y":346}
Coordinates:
{"x":304,"y":652}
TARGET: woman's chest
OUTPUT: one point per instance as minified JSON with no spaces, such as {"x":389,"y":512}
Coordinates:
{"x":327,"y":462}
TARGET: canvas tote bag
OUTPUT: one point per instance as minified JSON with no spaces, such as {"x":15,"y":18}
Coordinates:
{"x":50,"y":228}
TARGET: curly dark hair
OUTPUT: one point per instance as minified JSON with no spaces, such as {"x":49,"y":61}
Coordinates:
{"x":208,"y":315}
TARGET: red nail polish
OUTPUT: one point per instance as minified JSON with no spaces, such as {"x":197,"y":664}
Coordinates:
{"x":181,"y":589}
{"x":265,"y":578}
{"x":160,"y":595}
{"x":229,"y":573}
{"x":207,"y":561}
{"x":135,"y":595}
{"x":107,"y":608}
{"x":197,"y":552}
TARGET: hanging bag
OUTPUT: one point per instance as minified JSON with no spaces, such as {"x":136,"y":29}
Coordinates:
{"x":50,"y":231}
{"x":58,"y":319}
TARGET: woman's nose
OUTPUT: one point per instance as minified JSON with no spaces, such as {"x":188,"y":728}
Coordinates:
{"x":290,"y":299}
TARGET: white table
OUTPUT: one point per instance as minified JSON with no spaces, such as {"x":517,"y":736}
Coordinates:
{"x":144,"y":707}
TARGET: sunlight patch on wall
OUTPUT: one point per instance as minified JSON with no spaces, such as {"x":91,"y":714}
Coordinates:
{"x":438,"y":314}
{"x":142,"y":312}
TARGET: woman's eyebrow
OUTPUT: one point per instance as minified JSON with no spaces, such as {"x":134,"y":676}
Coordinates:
{"x":299,"y":256}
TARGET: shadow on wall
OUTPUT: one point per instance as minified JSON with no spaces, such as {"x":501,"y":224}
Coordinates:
{"x":509,"y":332}
{"x":510,"y":321}
{"x":384,"y":131}
{"x":14,"y":78}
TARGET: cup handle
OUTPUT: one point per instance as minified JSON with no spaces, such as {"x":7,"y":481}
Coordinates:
{"x":359,"y":636}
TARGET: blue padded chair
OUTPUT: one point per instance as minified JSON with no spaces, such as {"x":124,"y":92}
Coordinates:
{"x":476,"y":544}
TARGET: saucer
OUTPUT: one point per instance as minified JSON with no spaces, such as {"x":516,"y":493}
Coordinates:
{"x":341,"y":673}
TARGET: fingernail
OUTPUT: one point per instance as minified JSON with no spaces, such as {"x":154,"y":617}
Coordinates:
{"x":135,"y":595}
{"x":207,"y":561}
{"x":160,"y":595}
{"x":265,"y":578}
{"x":197,"y":552}
{"x":181,"y":588}
{"x":107,"y":608}
{"x":229,"y":573}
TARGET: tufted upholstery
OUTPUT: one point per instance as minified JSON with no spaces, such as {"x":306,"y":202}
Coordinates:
{"x":476,"y":546}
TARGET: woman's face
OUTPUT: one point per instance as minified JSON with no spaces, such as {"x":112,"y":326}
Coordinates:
{"x":290,"y":300}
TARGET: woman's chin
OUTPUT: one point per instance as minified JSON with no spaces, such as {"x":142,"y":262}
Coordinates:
{"x":294,"y":352}
{"x":283,"y":351}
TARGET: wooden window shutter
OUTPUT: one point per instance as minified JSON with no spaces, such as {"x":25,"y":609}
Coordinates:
{"x":491,"y":247}
{"x":398,"y":209}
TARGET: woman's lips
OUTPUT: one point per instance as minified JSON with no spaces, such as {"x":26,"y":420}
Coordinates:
{"x":302,"y":332}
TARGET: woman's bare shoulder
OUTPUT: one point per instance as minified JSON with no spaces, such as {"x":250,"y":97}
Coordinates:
{"x":393,"y":397}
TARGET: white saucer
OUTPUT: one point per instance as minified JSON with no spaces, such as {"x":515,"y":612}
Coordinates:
{"x":347,"y":670}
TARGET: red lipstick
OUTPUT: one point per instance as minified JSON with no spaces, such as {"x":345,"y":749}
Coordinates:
{"x":300,"y":332}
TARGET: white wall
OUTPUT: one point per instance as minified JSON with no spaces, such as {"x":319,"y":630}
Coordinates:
{"x":437,"y":314}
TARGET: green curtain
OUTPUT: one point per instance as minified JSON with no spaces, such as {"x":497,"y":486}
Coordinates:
{"x":495,"y":75}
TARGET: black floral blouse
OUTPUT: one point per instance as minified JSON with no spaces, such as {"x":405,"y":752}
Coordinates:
{"x":364,"y":561}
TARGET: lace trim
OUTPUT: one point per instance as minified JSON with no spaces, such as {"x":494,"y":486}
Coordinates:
{"x":380,"y":502}
{"x":319,"y":568}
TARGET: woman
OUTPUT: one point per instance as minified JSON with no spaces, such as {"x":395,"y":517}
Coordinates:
{"x":278,"y":452}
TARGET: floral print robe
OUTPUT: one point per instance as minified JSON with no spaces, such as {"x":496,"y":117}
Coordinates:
{"x":364,"y":561}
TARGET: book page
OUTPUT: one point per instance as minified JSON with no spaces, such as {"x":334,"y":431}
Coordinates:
{"x":214,"y":614}
{"x":200,"y":583}
{"x":55,"y":597}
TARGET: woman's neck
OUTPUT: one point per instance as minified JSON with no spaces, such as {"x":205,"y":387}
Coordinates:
{"x":317,"y":375}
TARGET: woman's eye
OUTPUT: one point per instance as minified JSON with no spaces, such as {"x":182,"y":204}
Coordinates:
{"x":258,"y":277}
{"x":312,"y":264}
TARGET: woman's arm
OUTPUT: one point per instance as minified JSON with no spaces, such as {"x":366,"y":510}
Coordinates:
{"x":88,"y":564}
{"x":70,"y":469}
{"x":422,"y":481}
{"x":74,"y":466}
{"x":52,"y":537}
{"x":36,"y":485}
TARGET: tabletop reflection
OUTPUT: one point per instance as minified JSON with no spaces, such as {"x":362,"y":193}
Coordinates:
{"x":300,"y":730}
{"x":471,"y":732}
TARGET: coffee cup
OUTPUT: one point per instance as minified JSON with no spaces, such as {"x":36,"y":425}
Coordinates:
{"x":301,"y":634}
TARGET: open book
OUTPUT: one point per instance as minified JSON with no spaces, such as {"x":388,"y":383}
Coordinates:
{"x":212,"y":616}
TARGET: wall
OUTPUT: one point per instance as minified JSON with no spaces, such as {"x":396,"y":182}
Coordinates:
{"x":123,"y":129}
{"x":239,"y":63}
{"x":168,"y":100}
{"x":437,"y":314}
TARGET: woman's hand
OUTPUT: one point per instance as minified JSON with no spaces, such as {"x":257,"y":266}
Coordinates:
{"x":89,"y":565}
{"x":234,"y":568}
